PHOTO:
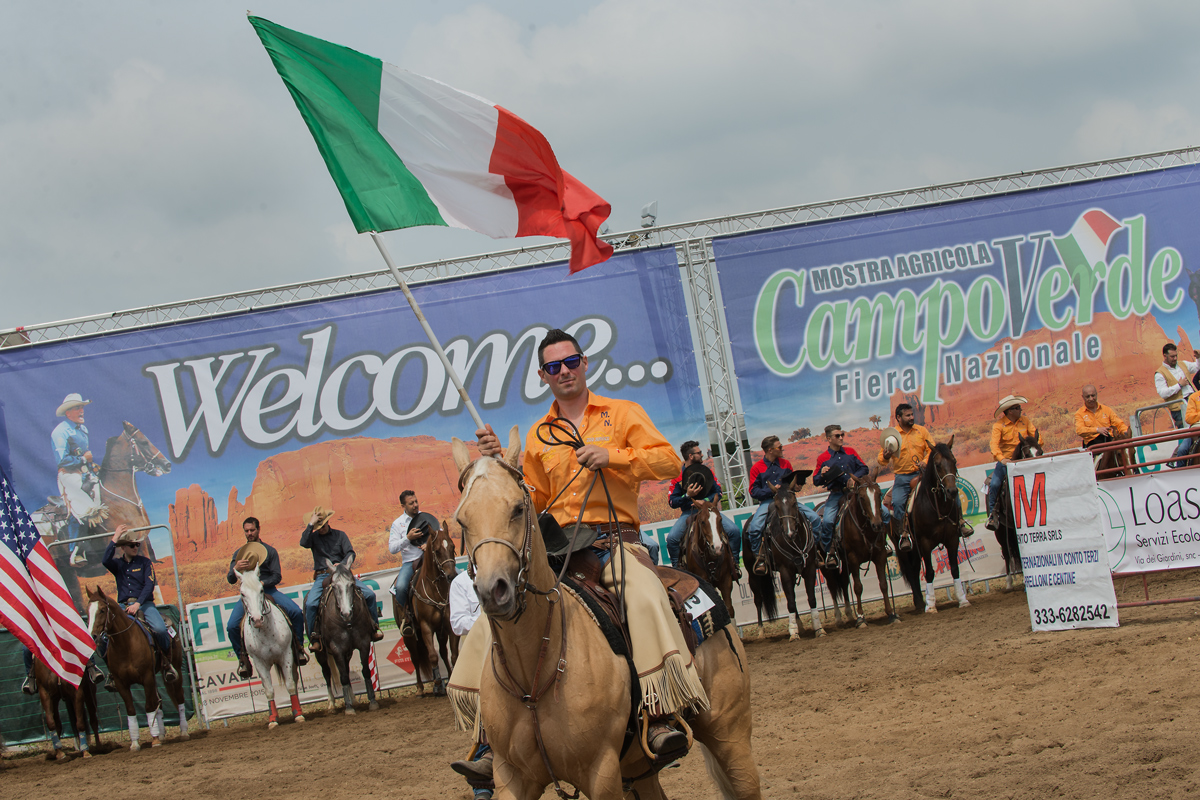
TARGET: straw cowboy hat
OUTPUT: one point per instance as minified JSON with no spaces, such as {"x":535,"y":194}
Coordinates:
{"x":1009,"y":402}
{"x":323,"y":515}
{"x":73,"y":400}
{"x":254,"y":552}
{"x":890,"y":441}
{"x":131,"y":537}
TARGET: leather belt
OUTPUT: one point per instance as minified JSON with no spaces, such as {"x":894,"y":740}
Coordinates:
{"x":629,"y":533}
{"x":319,"y":572}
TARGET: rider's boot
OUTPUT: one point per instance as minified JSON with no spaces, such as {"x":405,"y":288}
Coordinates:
{"x":376,"y":634}
{"x":993,"y":520}
{"x":737,"y":571}
{"x":478,"y":772}
{"x":314,"y":642}
{"x":298,"y":651}
{"x":965,"y":529}
{"x":110,"y":683}
{"x":94,"y":673}
{"x":244,"y":668}
{"x":760,"y":563}
{"x":665,"y":742}
{"x":170,"y":674}
{"x":29,"y":686}
{"x":406,"y":626}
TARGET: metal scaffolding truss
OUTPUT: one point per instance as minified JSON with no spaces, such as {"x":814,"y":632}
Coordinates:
{"x":693,"y":243}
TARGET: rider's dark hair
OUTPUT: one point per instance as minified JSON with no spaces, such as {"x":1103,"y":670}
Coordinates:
{"x":1168,"y":347}
{"x":554,"y":337}
{"x":769,"y":442}
{"x":900,"y":409}
{"x":251,"y":521}
{"x":831,"y":428}
{"x":407,"y":493}
{"x":686,"y":447}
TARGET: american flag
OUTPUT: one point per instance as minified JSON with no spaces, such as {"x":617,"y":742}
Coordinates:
{"x":34,"y":603}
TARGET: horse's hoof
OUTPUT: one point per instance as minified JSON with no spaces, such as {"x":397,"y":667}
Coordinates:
{"x":964,"y":603}
{"x":349,"y":711}
{"x":155,"y":743}
{"x":930,"y":609}
{"x":862,"y":623}
{"x":819,"y":633}
{"x":373,"y":706}
{"x":133,"y":748}
{"x":60,"y":756}
{"x":299,"y":718}
{"x":795,"y":637}
{"x":183,"y":737}
{"x":87,"y":754}
{"x":894,"y":619}
{"x":272,"y":725}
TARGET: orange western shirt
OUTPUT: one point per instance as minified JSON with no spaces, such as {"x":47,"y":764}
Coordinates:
{"x":1007,"y":435}
{"x":914,"y":448}
{"x":637,"y":452}
{"x":1193,"y":409}
{"x":1088,"y":423}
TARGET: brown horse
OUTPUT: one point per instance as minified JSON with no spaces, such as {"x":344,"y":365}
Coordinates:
{"x":706,"y":551}
{"x":864,"y":540}
{"x":430,"y":601}
{"x":935,"y":519}
{"x":126,"y":455}
{"x":81,"y":709}
{"x":131,"y":659}
{"x":1122,"y":459}
{"x":580,"y":695}
{"x":1006,"y":531}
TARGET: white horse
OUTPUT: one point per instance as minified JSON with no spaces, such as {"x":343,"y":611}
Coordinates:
{"x":267,"y":637}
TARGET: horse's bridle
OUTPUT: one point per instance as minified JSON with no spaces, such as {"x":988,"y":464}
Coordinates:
{"x":108,"y":620}
{"x":440,"y":564}
{"x":136,"y":450}
{"x":264,"y":612}
{"x":784,"y":541}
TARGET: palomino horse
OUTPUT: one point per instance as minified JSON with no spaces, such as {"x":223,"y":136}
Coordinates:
{"x":345,"y":627}
{"x":267,"y":637}
{"x":706,"y":550}
{"x":130,"y":660}
{"x":935,"y":519}
{"x":430,"y":598}
{"x":1006,"y":531}
{"x":864,"y":540}
{"x":790,"y":550}
{"x":81,"y":709}
{"x":571,"y":721}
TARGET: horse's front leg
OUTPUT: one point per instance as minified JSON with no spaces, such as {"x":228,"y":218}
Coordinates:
{"x":930,"y":593}
{"x":130,"y":712}
{"x":881,"y":573}
{"x":429,"y":636}
{"x":53,"y":723}
{"x":861,"y":619}
{"x":960,"y":586}
{"x":364,"y":653}
{"x":810,"y":589}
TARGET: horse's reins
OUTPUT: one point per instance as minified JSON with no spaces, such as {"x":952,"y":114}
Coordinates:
{"x":134,"y":449}
{"x":876,"y":542}
{"x":784,"y":540}
{"x":440,"y":564}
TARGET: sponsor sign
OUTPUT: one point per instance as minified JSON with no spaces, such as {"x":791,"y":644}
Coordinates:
{"x":1151,"y":522}
{"x":1057,"y":512}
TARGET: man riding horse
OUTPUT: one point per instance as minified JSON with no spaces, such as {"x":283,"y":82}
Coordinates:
{"x":76,"y":472}
{"x":405,"y":538}
{"x":1096,"y":423}
{"x":1006,"y":436}
{"x":622,"y":440}
{"x":838,"y":469}
{"x":766,"y":478}
{"x":907,"y":461}
{"x":681,"y":497}
{"x":135,"y":592}
{"x":270,"y":575}
{"x":329,"y":546}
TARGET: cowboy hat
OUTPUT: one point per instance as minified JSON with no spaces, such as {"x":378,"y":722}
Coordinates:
{"x":254,"y":552}
{"x":1009,"y":402}
{"x":699,"y":474}
{"x":423,"y":520}
{"x":323,"y":515}
{"x":796,"y":475}
{"x":891,"y":440}
{"x":73,"y":400}
{"x":131,"y":537}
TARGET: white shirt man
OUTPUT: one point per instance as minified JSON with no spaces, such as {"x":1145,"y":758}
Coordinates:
{"x":464,"y":603}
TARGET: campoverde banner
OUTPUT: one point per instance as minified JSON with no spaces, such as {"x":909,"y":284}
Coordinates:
{"x":952,"y":307}
{"x":340,"y":403}
{"x":1057,"y":514}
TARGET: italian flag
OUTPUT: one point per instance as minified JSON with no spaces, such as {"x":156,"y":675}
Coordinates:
{"x":407,"y":150}
{"x":1087,"y":242}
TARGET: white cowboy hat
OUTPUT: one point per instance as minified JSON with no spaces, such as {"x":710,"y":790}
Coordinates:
{"x":1009,"y":402}
{"x":890,"y":441}
{"x":73,"y":400}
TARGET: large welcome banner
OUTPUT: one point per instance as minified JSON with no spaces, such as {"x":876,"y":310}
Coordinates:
{"x":952,"y":307}
{"x":340,"y":403}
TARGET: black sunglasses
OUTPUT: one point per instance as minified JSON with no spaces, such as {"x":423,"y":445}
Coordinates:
{"x":570,"y":362}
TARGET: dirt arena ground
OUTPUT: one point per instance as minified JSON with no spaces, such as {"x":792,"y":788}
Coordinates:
{"x":964,"y":703}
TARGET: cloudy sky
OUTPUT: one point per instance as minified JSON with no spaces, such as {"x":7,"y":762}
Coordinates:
{"x":151,"y":154}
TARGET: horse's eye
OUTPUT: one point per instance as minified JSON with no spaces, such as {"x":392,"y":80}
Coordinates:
{"x":516,"y":512}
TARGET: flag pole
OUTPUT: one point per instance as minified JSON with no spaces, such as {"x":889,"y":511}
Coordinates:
{"x":412,"y":302}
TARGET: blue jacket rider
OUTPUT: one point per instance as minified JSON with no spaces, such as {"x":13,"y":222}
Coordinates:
{"x":135,"y":590}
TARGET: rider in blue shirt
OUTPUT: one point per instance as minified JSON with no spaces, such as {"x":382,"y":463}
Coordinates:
{"x":135,"y":590}
{"x":270,"y":575}
{"x":76,"y":478}
{"x":681,"y":497}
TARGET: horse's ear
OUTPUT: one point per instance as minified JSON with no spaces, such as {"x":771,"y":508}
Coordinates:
{"x":459,"y":450}
{"x":513,"y":454}
{"x":349,"y":562}
{"x":129,"y":427}
{"x":950,"y":443}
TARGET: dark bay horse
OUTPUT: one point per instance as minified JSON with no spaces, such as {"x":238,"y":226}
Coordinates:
{"x":1006,"y":531}
{"x":706,"y":551}
{"x":864,"y":541}
{"x":430,"y":599}
{"x":1123,"y":458}
{"x":81,"y":709}
{"x":131,"y":659}
{"x":580,"y":694}
{"x":345,"y":627}
{"x":791,"y":550}
{"x":935,"y":520}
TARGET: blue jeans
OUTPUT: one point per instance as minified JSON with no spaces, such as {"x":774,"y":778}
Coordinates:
{"x":156,"y":624}
{"x":675,"y":538}
{"x":758,"y":521}
{"x":403,"y":584}
{"x":833,"y":504}
{"x":901,"y":489}
{"x":999,"y":476}
{"x":233,"y":626}
{"x":313,"y":600}
{"x":650,"y":542}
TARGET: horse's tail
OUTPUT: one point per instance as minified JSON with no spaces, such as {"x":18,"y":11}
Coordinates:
{"x":838,"y":581}
{"x":762,"y":587}
{"x":725,"y":787}
{"x":419,"y":653}
{"x":90,"y":710}
{"x":910,"y":567}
